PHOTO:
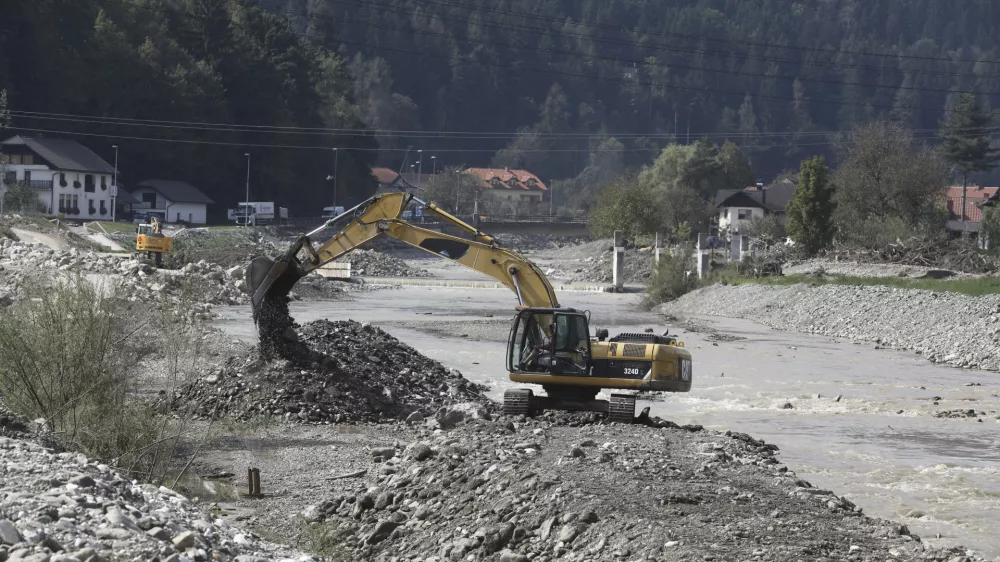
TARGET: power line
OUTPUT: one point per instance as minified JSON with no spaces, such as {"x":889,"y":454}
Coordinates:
{"x":624,"y":42}
{"x":370,"y":133}
{"x":827,"y":142}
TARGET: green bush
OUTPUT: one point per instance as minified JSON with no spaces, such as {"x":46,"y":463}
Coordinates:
{"x":69,"y":357}
{"x":991,"y":229}
{"x":676,"y":275}
{"x":627,"y":206}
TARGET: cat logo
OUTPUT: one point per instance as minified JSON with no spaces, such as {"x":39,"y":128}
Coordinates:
{"x":685,"y":370}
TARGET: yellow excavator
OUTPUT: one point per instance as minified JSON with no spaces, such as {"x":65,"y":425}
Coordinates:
{"x":154,"y":243}
{"x":549,"y":345}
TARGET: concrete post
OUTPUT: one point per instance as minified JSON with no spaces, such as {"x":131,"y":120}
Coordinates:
{"x":618,"y":262}
{"x":657,"y":248}
{"x":736,"y":247}
{"x":701,"y":255}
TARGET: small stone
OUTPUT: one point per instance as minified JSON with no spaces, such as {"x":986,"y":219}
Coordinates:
{"x":184,"y":540}
{"x":8,"y":533}
{"x":421,"y":452}
{"x":83,"y":481}
{"x":381,"y":532}
{"x":415,"y":417}
{"x":568,"y":532}
{"x":159,"y":533}
{"x":577,"y":453}
{"x":787,"y":406}
{"x":508,"y":556}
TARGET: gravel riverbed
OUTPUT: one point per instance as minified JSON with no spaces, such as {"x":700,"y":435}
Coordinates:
{"x":949,"y":328}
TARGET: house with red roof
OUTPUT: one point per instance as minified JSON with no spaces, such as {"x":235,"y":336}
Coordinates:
{"x":390,"y":181}
{"x":975,"y":196}
{"x":517,"y":191}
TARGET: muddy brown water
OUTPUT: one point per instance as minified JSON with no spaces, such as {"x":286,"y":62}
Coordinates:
{"x":937,"y":476}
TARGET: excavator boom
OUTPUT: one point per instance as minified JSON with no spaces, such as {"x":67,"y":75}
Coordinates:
{"x":380,"y":216}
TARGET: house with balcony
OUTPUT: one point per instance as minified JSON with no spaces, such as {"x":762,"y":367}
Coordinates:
{"x":516,"y":191}
{"x":69,"y":178}
{"x":390,"y":181}
{"x":171,"y":201}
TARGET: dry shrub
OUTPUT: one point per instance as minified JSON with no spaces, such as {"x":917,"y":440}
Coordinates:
{"x":676,"y":275}
{"x":70,"y":355}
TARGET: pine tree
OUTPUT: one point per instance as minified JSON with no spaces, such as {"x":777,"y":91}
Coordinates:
{"x":966,"y":133}
{"x":810,"y":212}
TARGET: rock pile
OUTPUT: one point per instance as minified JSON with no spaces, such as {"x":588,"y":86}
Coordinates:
{"x":519,"y":490}
{"x":949,"y":328}
{"x":64,"y":507}
{"x":372,"y":263}
{"x":346,"y":372}
{"x":206,"y":283}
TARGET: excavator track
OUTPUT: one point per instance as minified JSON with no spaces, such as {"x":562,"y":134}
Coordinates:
{"x":621,"y":408}
{"x":517,"y":402}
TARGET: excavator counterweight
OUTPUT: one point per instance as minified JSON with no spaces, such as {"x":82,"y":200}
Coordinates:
{"x":549,"y":345}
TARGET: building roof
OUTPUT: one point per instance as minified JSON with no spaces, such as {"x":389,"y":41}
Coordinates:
{"x":774,"y":197}
{"x":385,"y":175}
{"x":505,"y":175}
{"x":63,"y":154}
{"x":176,"y":191}
{"x":975,"y":197}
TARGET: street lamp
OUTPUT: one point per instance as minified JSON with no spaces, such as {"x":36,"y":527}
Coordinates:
{"x":246,"y":206}
{"x":435,"y":162}
{"x":114,"y":184}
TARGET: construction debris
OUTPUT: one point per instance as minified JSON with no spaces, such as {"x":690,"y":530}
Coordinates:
{"x":956,"y":255}
{"x":372,"y":263}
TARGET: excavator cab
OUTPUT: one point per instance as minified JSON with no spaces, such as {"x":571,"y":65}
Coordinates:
{"x":549,"y":341}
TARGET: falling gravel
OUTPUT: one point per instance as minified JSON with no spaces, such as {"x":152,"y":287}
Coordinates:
{"x":332,"y":372}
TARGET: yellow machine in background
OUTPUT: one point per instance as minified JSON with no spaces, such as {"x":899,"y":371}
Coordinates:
{"x":549,"y":345}
{"x":152,"y":242}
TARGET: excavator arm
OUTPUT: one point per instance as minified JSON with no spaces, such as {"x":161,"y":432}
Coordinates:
{"x":381,"y":216}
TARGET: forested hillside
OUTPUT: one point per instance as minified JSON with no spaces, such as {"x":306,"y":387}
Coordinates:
{"x":777,"y":77}
{"x":562,"y":87}
{"x":119,"y":71}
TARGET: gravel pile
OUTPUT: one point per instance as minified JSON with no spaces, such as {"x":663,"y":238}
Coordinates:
{"x":519,"y":490}
{"x":638,"y":268}
{"x":63,"y":507}
{"x":344,"y":371}
{"x":372,"y":263}
{"x":946,"y":328}
{"x":857,"y":269}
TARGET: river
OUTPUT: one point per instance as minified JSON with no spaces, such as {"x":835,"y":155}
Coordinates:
{"x":879,"y":444}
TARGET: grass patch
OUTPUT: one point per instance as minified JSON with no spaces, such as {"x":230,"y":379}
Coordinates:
{"x":107,"y":227}
{"x":974,"y":287}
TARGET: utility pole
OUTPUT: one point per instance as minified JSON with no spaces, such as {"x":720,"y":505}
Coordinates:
{"x":552,"y":195}
{"x":458,"y":189}
{"x":435,"y":162}
{"x":336,"y":161}
{"x":114,"y":184}
{"x":420,"y":166}
{"x":246,"y":207}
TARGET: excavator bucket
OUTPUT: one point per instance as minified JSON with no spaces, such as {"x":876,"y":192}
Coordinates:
{"x":271,"y":279}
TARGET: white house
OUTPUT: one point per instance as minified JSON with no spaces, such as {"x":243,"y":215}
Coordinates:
{"x":69,"y":177}
{"x":173,"y":201}
{"x":736,"y":207}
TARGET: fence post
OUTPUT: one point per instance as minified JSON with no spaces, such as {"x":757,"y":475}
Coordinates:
{"x":657,"y":248}
{"x":618,"y":262}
